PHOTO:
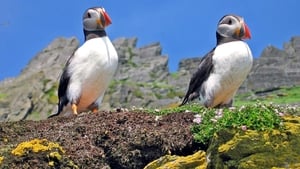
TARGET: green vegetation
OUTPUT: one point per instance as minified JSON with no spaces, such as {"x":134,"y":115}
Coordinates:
{"x":2,"y":96}
{"x":51,"y":94}
{"x":255,"y":117}
{"x":138,"y":93}
{"x":207,"y":121}
{"x":131,"y":55}
{"x":284,"y":95}
{"x":175,"y":75}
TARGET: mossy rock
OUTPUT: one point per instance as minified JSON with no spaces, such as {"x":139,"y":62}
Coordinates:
{"x":233,"y":148}
{"x":196,"y":161}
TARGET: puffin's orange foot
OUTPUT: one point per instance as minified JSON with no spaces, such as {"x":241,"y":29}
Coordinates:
{"x":74,"y":109}
{"x":95,"y":110}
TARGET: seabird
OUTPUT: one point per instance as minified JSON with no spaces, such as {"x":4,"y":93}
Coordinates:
{"x":222,"y":71}
{"x":90,"y":68}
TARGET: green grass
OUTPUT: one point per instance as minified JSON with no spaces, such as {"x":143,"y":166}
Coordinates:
{"x":285,"y":95}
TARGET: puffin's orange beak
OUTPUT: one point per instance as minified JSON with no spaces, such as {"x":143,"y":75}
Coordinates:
{"x":107,"y":18}
{"x":247,"y":33}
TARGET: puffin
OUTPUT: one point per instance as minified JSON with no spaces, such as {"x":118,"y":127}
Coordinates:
{"x":90,"y":68}
{"x":223,"y":69}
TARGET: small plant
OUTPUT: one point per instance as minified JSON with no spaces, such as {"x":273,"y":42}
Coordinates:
{"x":255,"y":117}
{"x":207,"y":121}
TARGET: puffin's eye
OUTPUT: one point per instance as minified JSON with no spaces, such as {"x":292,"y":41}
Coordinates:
{"x":230,"y":22}
{"x":88,"y":15}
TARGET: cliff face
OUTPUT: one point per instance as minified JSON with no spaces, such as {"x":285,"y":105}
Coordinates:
{"x":275,"y":67}
{"x":32,"y":95}
{"x":142,"y":78}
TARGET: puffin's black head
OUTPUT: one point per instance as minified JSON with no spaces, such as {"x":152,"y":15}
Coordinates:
{"x":95,"y":19}
{"x":233,"y":26}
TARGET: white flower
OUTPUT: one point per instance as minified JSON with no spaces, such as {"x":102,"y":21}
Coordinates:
{"x":197,"y":119}
{"x":244,"y":128}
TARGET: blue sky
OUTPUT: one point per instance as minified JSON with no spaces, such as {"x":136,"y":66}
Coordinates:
{"x":184,"y":28}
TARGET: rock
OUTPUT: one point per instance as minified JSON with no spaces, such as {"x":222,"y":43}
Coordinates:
{"x":257,"y":149}
{"x":142,"y":78}
{"x":196,"y":161}
{"x":32,"y":95}
{"x":275,"y":67}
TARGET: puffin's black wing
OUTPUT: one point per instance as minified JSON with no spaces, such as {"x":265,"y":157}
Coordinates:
{"x":204,"y":70}
{"x":62,"y":88}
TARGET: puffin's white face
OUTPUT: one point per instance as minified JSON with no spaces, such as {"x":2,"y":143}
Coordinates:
{"x":233,"y":26}
{"x":95,"y":19}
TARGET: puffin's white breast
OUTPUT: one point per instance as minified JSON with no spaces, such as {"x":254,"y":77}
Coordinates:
{"x":232,"y":63}
{"x":91,"y":69}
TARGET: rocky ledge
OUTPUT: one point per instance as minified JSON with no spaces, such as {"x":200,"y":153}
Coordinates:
{"x":139,"y":140}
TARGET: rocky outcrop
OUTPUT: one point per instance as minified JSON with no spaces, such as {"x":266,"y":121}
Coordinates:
{"x":276,"y":68}
{"x":142,"y":79}
{"x":233,"y":148}
{"x":32,"y":95}
{"x":251,"y":149}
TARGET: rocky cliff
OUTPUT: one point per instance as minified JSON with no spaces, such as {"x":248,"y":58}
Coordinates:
{"x":142,"y":78}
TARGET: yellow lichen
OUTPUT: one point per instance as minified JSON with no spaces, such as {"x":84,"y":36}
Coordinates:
{"x":51,"y":163}
{"x":231,"y":144}
{"x":35,"y":145}
{"x":55,"y":155}
{"x":1,"y":159}
{"x":197,"y":161}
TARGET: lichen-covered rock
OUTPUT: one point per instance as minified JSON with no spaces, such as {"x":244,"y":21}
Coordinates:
{"x":232,"y":148}
{"x":36,"y":153}
{"x":196,"y":161}
{"x":116,"y":140}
